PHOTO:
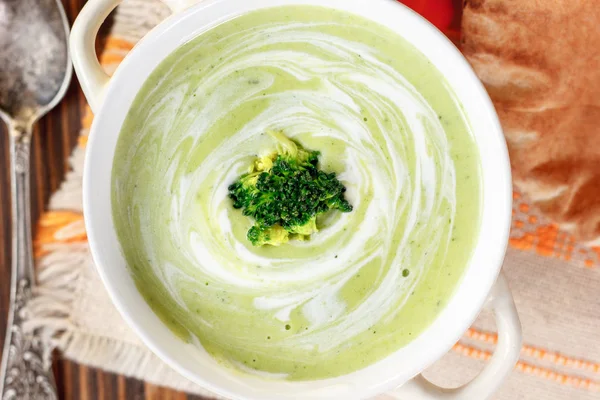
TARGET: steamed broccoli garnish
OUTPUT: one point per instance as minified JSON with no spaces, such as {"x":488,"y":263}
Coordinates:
{"x":275,"y":235}
{"x":284,"y":192}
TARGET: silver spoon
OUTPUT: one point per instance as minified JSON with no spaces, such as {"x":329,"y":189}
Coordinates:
{"x":35,"y":71}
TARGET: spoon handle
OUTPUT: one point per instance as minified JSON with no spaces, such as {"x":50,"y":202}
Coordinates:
{"x":26,"y":366}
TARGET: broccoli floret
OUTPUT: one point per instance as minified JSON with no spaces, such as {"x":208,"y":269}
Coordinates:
{"x":284,"y":192}
{"x":275,"y":235}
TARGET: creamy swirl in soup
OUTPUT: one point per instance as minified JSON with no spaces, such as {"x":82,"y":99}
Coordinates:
{"x":384,"y":120}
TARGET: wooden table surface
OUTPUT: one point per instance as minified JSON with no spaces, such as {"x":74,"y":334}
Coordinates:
{"x":54,"y":138}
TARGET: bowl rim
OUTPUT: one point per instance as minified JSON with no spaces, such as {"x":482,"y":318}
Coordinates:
{"x":493,"y":240}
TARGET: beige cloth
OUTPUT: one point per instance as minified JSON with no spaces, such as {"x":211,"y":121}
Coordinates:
{"x":558,"y":301}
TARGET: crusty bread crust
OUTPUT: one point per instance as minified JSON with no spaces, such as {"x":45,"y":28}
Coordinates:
{"x":540,"y":62}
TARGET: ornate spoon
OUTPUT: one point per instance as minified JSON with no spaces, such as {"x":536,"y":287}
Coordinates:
{"x":35,"y":71}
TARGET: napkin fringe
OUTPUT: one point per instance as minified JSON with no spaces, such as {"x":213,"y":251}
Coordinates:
{"x":129,"y":359}
{"x":61,"y":279}
{"x":49,"y":311}
{"x":106,"y":353}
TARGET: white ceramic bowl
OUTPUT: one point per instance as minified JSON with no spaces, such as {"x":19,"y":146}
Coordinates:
{"x":111,"y":99}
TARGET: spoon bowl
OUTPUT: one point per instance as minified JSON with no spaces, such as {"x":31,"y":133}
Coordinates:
{"x":34,"y":61}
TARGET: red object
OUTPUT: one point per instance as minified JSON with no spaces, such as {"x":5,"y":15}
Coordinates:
{"x":439,"y":12}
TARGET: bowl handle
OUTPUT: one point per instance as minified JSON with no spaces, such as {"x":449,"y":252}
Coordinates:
{"x":82,"y":42}
{"x":92,"y":77}
{"x":500,"y":366}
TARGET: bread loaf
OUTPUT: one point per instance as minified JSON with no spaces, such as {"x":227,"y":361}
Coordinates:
{"x":540,"y":62}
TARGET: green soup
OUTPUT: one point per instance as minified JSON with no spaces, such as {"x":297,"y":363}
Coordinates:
{"x":385,"y":121}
